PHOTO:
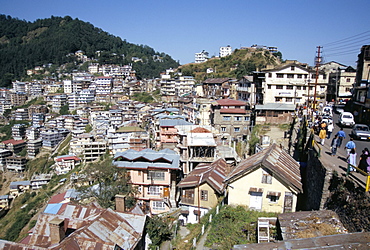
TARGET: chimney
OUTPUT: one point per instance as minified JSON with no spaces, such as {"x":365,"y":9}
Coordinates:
{"x":120,"y":203}
{"x":57,"y":232}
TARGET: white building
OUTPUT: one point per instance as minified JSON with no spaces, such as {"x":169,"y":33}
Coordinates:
{"x":103,"y":84}
{"x":225,"y":51}
{"x":293,"y":83}
{"x":201,"y":57}
{"x":67,"y":84}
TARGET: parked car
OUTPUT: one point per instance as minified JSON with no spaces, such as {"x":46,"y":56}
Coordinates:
{"x":346,"y":119}
{"x":360,"y":132}
{"x":327,"y":119}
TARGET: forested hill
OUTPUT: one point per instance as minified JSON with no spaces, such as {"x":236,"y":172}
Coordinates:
{"x":24,"y":45}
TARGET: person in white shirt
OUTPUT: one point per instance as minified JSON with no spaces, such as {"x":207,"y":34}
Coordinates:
{"x":330,"y":129}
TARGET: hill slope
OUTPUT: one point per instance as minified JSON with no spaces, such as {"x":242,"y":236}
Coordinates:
{"x":24,"y":45}
{"x":240,"y":63}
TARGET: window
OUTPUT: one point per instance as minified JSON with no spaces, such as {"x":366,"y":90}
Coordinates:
{"x":266,"y":177}
{"x":155,"y":175}
{"x":289,"y":99}
{"x":299,"y":87}
{"x":246,"y":118}
{"x":269,"y":86}
{"x":237,"y":129}
{"x":290,"y":75}
{"x":289,"y":87}
{"x":279,"y":86}
{"x":273,"y":198}
{"x":311,"y":88}
{"x":223,"y":129}
{"x":292,"y":68}
{"x":278,"y":99}
{"x":237,"y":118}
{"x":227,"y":118}
{"x":348,"y":89}
{"x":158,"y":205}
{"x":270,"y":74}
{"x":154,"y":190}
{"x":304,"y":87}
{"x":279,"y":75}
{"x":204,"y":195}
{"x":299,"y":76}
{"x":348,"y":80}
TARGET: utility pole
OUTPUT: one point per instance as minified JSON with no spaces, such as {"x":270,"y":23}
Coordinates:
{"x":318,"y":60}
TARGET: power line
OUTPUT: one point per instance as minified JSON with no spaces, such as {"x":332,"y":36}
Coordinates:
{"x":345,"y":39}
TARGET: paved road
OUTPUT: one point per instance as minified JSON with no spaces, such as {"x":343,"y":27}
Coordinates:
{"x":339,"y":163}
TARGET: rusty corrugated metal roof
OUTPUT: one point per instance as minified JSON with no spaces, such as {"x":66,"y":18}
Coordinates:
{"x":214,"y":174}
{"x":275,"y":159}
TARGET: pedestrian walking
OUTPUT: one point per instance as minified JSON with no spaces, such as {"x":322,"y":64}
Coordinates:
{"x":350,"y":145}
{"x":363,"y":161}
{"x":330,"y":129}
{"x":341,"y":135}
{"x":322,"y":135}
{"x":334,"y":145}
{"x":351,"y":160}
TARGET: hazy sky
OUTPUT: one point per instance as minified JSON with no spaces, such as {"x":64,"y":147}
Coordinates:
{"x":182,"y":28}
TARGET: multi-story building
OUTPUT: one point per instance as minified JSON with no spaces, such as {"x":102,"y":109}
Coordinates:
{"x":86,"y":96}
{"x":154,"y":173}
{"x":39,"y":180}
{"x":103,"y":84}
{"x":294,"y":83}
{"x":65,"y":163}
{"x":16,"y":163}
{"x":4,"y":153}
{"x":33,"y":148}
{"x":177,"y":86}
{"x":20,"y":114}
{"x":201,"y":56}
{"x":225,"y":51}
{"x":19,"y":87}
{"x":32,"y":133}
{"x":361,"y":93}
{"x":232,"y":118}
{"x":18,"y":98}
{"x":216,"y":88}
{"x":58,"y":102}
{"x":19,"y":131}
{"x":16,"y":146}
{"x":52,"y":137}
{"x":67,"y":86}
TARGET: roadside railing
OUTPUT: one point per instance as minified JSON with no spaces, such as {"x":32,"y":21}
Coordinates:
{"x":349,"y":166}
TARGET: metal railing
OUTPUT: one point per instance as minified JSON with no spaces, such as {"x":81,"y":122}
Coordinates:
{"x":349,"y":166}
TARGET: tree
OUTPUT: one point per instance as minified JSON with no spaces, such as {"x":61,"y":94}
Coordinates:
{"x":64,"y":110}
{"x":106,"y":181}
{"x":159,"y":230}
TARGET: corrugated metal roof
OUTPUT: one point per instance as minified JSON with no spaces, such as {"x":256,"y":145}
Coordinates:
{"x":214,"y":174}
{"x":201,"y":139}
{"x":276,"y":106}
{"x":275,"y":159}
{"x":164,"y":159}
{"x":173,"y":122}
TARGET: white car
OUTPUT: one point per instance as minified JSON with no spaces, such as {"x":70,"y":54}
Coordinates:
{"x":346,"y":119}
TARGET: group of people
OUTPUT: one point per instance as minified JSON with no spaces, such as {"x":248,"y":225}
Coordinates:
{"x":325,"y":131}
{"x":350,"y":147}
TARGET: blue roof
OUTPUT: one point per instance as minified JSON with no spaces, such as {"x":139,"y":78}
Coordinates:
{"x":173,"y":122}
{"x":53,"y":208}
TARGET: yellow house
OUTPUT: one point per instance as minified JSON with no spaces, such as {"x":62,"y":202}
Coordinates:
{"x":201,"y":189}
{"x":267,"y":181}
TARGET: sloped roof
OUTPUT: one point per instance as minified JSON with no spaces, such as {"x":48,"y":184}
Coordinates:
{"x":173,"y":122}
{"x":276,"y":106}
{"x":147,"y":158}
{"x":14,"y":142}
{"x":229,"y":102}
{"x":275,"y":159}
{"x":233,"y":111}
{"x":214,"y":174}
{"x":200,"y":130}
{"x":94,"y":229}
{"x":216,"y":80}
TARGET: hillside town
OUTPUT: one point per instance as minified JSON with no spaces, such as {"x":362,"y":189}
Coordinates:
{"x":197,"y":146}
